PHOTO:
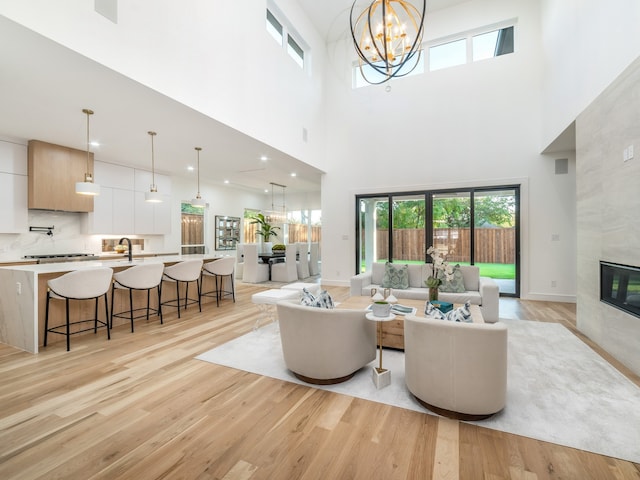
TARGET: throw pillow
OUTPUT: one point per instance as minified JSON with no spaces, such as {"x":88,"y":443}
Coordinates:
{"x":456,"y":284}
{"x":433,"y":312}
{"x":323,"y":300}
{"x":396,"y":276}
{"x":307,"y":298}
{"x":460,"y":314}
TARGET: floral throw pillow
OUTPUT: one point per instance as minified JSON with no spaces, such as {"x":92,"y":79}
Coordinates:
{"x":455,"y":284}
{"x":307,"y":298}
{"x":323,"y":300}
{"x":460,"y":314}
{"x":396,"y":276}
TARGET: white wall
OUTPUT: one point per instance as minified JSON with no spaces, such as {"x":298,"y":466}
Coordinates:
{"x":587,"y":44}
{"x":470,"y":125}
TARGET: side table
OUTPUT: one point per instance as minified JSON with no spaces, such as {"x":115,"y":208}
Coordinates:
{"x":381,"y":376}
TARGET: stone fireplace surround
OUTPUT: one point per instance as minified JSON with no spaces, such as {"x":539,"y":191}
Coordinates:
{"x":608,"y":200}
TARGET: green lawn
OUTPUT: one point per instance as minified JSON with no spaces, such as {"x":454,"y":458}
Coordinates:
{"x":493,"y":270}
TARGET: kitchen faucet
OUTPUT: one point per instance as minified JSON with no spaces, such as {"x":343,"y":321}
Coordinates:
{"x":129,"y":244}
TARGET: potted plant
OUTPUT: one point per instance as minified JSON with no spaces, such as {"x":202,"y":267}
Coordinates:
{"x":278,"y":248}
{"x":265,"y":229}
{"x":441,"y":269}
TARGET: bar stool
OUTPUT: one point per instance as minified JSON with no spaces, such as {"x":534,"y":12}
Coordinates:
{"x":87,"y":284}
{"x":187,"y":271}
{"x":219,"y":269}
{"x":139,"y":277}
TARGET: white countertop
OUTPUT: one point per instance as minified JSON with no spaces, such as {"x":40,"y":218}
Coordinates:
{"x":117,"y":262}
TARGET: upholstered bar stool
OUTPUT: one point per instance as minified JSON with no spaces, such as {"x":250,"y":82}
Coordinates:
{"x":183,"y":272}
{"x":219,"y":270}
{"x":87,"y":284}
{"x":139,"y":277}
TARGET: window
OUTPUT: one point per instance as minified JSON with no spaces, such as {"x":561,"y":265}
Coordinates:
{"x":280,"y":30}
{"x":374,"y":76}
{"x":193,"y":228}
{"x":472,"y":46}
{"x":294,"y":51}
{"x":448,"y":55}
{"x":493,"y":44}
{"x":274,"y":27}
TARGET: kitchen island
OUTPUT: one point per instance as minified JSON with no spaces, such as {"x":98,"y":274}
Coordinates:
{"x":24,"y":291}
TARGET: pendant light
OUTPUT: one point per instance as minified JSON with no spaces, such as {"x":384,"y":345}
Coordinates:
{"x":198,"y":201}
{"x":152,"y":196}
{"x":88,"y":187}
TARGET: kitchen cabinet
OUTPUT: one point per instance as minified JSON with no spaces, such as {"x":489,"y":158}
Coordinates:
{"x":112,"y":212}
{"x":13,"y":187}
{"x":152,"y":218}
{"x":53,"y":171}
{"x":13,"y":195}
{"x":112,"y":209}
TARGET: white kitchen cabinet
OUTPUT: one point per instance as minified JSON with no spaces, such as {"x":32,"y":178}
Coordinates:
{"x":152,"y":218}
{"x":101,"y":219}
{"x":119,"y":209}
{"x":14,"y":191}
{"x":13,"y":195}
{"x":13,"y":157}
{"x":123,"y":214}
{"x":114,"y":176}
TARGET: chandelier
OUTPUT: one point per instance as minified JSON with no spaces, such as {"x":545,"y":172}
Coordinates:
{"x":278,"y":212}
{"x":387,"y":36}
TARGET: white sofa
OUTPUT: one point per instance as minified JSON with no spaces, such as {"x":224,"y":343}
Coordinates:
{"x":458,"y":370}
{"x":481,"y":291}
{"x":325,"y":346}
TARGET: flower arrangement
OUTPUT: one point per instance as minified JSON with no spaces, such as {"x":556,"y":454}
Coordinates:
{"x":441,"y":268}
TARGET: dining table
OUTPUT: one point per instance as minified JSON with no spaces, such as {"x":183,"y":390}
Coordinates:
{"x":271,"y":258}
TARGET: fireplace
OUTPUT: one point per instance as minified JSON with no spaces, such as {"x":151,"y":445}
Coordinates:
{"x":620,"y":287}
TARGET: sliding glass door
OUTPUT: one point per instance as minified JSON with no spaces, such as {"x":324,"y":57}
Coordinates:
{"x":471,"y":226}
{"x":495,"y":243}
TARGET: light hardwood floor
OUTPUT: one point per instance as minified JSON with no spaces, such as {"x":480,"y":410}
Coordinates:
{"x":140,"y":407}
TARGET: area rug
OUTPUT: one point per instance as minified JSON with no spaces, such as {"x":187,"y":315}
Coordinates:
{"x":559,"y":390}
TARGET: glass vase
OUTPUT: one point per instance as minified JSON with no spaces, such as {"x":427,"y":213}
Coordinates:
{"x":433,"y":294}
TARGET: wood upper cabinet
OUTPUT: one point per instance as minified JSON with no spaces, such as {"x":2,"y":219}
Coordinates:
{"x":53,"y":173}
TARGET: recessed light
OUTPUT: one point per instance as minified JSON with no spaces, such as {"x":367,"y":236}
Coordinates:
{"x":190,"y":168}
{"x":226,"y":181}
{"x":264,"y":158}
{"x":293,"y":174}
{"x":266,"y":190}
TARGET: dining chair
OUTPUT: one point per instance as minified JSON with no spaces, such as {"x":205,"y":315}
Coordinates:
{"x":302,"y":264}
{"x":314,"y":258}
{"x":286,"y":271}
{"x":254,"y":271}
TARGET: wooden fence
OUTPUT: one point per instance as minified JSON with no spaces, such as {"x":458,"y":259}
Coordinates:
{"x":492,"y":245}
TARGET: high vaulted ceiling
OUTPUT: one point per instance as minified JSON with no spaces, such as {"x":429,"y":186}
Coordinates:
{"x":41,"y":98}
